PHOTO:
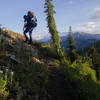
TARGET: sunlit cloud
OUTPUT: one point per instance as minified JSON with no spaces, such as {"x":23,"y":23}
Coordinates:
{"x":89,"y":27}
{"x":96,"y":14}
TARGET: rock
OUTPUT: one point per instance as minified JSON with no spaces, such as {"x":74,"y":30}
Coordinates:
{"x":14,"y":58}
{"x":24,"y":92}
{"x":54,"y":63}
{"x":11,"y":99}
{"x":39,"y":74}
{"x":3,"y":68}
{"x":49,"y":97}
{"x":10,"y":45}
{"x":1,"y":72}
{"x":36,"y":60}
{"x":36,"y":97}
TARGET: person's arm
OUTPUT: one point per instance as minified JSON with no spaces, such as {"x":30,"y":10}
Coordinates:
{"x":24,"y":25}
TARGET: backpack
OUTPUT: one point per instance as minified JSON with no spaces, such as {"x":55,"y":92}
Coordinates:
{"x":34,"y":21}
{"x":31,"y":21}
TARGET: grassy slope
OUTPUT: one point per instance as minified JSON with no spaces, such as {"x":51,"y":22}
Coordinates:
{"x":38,"y":72}
{"x":30,"y":64}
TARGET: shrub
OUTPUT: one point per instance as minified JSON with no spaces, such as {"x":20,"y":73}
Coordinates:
{"x":84,"y":70}
{"x":81,"y":82}
{"x":3,"y":90}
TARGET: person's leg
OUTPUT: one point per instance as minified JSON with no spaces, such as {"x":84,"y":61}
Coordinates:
{"x":30,"y":34}
{"x":26,"y":30}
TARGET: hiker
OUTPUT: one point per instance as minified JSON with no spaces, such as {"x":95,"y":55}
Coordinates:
{"x":30,"y":22}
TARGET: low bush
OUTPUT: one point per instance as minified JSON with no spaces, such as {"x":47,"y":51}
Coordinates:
{"x":81,"y":82}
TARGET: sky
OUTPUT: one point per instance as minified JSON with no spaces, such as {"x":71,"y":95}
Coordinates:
{"x":82,"y":15}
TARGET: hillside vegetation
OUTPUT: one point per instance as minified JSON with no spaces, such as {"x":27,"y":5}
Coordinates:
{"x":37,"y":72}
{"x":96,"y":46}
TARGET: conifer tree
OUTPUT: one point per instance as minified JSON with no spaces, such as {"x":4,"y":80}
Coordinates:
{"x":71,"y":45}
{"x":92,"y":53}
{"x":51,"y":24}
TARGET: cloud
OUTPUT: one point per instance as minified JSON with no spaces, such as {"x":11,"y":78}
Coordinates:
{"x":41,"y":36}
{"x":89,"y":27}
{"x":96,"y":14}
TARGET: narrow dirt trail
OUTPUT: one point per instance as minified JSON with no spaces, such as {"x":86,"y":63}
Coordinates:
{"x":57,"y":86}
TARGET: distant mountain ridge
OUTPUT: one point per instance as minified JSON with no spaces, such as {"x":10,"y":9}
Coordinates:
{"x":82,"y":39}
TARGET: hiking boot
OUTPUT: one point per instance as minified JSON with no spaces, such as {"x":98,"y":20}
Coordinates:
{"x":29,"y":43}
{"x":26,"y":41}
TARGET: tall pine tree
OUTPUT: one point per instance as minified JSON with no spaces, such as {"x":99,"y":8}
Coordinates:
{"x":51,"y":24}
{"x":71,"y":45}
